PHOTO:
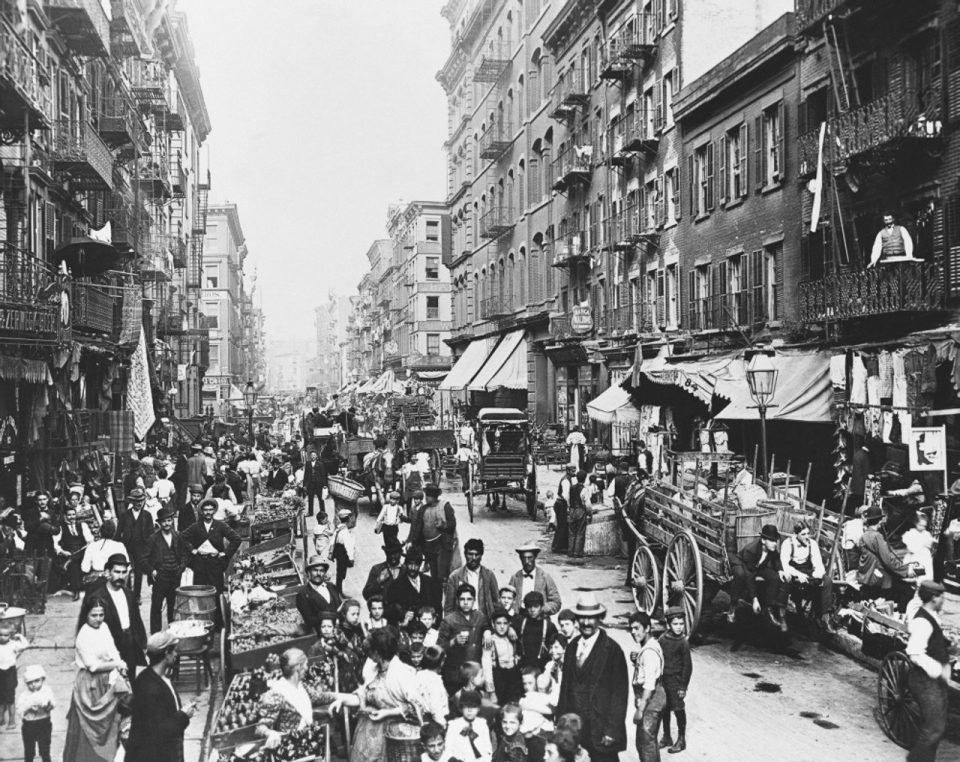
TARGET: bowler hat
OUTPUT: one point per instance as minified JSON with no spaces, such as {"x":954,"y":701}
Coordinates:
{"x":196,"y":489}
{"x":873,"y":514}
{"x":415,"y":555}
{"x":770,"y":532}
{"x":588,"y":605}
{"x":392,"y":546}
{"x":136,"y":495}
{"x":117,"y":559}
{"x":166,"y":513}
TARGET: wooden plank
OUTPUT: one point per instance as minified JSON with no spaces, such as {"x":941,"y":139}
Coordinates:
{"x":671,"y":503}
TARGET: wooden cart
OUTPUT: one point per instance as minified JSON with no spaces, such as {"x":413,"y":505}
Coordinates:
{"x":437,"y":442}
{"x":506,"y":459}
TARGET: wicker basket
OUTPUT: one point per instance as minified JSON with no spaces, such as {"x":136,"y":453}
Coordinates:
{"x":401,"y":743}
{"x":344,"y":489}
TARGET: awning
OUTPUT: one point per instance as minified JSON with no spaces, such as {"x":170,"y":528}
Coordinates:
{"x":495,"y":362}
{"x":87,"y":257}
{"x":613,"y":406}
{"x":470,"y":362}
{"x":698,"y":378}
{"x":364,"y":388}
{"x":431,"y":375}
{"x":803,"y":393}
{"x":513,"y":374}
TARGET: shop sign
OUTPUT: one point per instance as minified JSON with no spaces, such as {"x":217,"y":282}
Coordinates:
{"x":928,"y":448}
{"x":585,"y":375}
{"x":35,"y":322}
{"x":581,"y":319}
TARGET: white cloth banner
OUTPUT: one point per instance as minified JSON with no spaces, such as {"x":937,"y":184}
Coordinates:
{"x":139,"y":396}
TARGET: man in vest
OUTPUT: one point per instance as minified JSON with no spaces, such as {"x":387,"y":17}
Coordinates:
{"x":927,"y":649}
{"x":166,"y":559}
{"x":892,"y":241}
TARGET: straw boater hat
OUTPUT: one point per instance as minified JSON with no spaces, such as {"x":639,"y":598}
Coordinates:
{"x":136,"y":495}
{"x":315,"y":561}
{"x":528,"y":547}
{"x":588,"y":605}
{"x":344,"y":513}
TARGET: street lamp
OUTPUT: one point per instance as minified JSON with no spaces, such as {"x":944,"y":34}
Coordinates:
{"x":250,"y":399}
{"x":762,"y":380}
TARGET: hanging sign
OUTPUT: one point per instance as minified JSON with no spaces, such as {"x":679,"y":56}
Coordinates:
{"x":581,"y":319}
{"x":928,"y":448}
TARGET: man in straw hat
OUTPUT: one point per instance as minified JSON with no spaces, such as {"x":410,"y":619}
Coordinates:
{"x":595,"y":684}
{"x":316,"y":596}
{"x":385,"y":572}
{"x":928,"y":678}
{"x":167,"y":558}
{"x":531,"y":578}
{"x":158,"y":718}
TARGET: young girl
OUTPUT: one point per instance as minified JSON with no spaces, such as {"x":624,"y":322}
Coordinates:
{"x":500,"y":662}
{"x":468,"y":736}
{"x":351,"y":627}
{"x":511,"y":745}
{"x":677,"y":668}
{"x":34,"y":706}
{"x":428,"y":618}
{"x":375,"y":612}
{"x":388,"y":522}
{"x":434,"y":696}
{"x":472,"y":680}
{"x":11,"y":646}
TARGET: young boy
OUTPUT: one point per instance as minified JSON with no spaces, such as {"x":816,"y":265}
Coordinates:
{"x":548,"y":504}
{"x":333,"y":645}
{"x":375,"y":612}
{"x":534,"y":631}
{"x":11,"y":646}
{"x":427,"y":616}
{"x":34,"y":706}
{"x":567,"y":624}
{"x":508,"y":599}
{"x":468,"y":737}
{"x":433,"y":741}
{"x":460,"y":635}
{"x":511,"y":745}
{"x":500,"y":661}
{"x":343,"y":550}
{"x":388,"y":522}
{"x":677,"y":668}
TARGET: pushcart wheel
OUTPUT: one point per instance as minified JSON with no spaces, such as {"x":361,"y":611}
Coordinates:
{"x":898,"y":712}
{"x":683,"y":577}
{"x":645,"y":579}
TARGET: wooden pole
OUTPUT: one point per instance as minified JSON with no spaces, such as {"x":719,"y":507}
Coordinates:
{"x":806,"y":486}
{"x":836,"y":534}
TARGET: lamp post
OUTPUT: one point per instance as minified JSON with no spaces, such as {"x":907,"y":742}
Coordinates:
{"x":250,"y":399}
{"x":762,"y":380}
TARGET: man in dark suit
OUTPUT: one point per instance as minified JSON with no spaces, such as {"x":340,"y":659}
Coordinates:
{"x":211,"y":544}
{"x":433,"y":530}
{"x":756,"y":575}
{"x":413,"y":590}
{"x":385,"y":572}
{"x":157,"y":717}
{"x":190,"y":512}
{"x":197,"y":466}
{"x":166,"y":559}
{"x":314,"y":480}
{"x":316,"y":596}
{"x":134,"y":530}
{"x":121,"y":613}
{"x":595,"y":684}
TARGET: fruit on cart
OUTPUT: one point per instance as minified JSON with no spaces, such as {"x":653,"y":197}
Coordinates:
{"x":308,"y":743}
{"x":271,"y":623}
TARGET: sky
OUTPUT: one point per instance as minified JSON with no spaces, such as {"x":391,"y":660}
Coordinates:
{"x":324,"y":112}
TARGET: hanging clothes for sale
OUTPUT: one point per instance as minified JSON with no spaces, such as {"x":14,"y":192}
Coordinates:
{"x":858,"y":380}
{"x":838,"y":377}
{"x":885,"y":363}
{"x":899,"y":379}
{"x":873,"y":418}
{"x":913,"y":367}
{"x":872,"y":364}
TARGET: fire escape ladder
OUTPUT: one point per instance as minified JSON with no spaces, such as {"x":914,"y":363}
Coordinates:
{"x":838,"y":59}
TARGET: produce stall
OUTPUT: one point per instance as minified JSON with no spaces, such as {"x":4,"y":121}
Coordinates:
{"x":251,"y":635}
{"x":273,"y":516}
{"x":312,"y":744}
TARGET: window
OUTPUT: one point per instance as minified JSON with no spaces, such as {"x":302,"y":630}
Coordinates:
{"x":212,"y":281}
{"x":733,"y":164}
{"x":701,"y":180}
{"x":666,"y":98}
{"x":433,"y":343}
{"x":652,"y":298}
{"x":671,"y":193}
{"x":649,"y":219}
{"x":671,"y":296}
{"x":699,"y":288}
{"x":433,"y":230}
{"x":649,"y":113}
{"x":433,"y":308}
{"x":433,"y":268}
{"x":213,"y":321}
{"x":769,"y":146}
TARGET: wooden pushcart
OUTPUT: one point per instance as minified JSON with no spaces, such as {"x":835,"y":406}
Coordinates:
{"x":506,"y":458}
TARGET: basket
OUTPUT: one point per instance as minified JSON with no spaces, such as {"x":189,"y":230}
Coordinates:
{"x":401,"y":744}
{"x":342,"y":488}
{"x":193,"y":642}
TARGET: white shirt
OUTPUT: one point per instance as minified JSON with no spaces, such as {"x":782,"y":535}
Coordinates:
{"x":120,"y":602}
{"x":164,"y":489}
{"x":920,"y":632}
{"x":528,"y":585}
{"x":473,"y":578}
{"x":84,"y":533}
{"x":11,"y":649}
{"x":792,"y":552}
{"x":877,"y":250}
{"x":458,"y":746}
{"x":585,"y":646}
{"x":96,"y":555}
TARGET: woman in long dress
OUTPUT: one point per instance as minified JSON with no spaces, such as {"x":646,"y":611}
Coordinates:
{"x":392,"y":696}
{"x":93,"y":724}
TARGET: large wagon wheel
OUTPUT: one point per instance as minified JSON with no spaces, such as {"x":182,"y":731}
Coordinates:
{"x":898,"y":712}
{"x":645,"y":579}
{"x":683,"y":577}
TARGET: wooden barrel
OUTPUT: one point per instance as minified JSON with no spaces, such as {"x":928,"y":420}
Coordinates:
{"x":196,"y":602}
{"x":787,"y":514}
{"x":747,"y":526}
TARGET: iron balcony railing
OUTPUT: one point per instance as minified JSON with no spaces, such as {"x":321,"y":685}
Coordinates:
{"x":29,"y":302}
{"x":495,"y":141}
{"x":493,"y":62}
{"x":570,"y":249}
{"x":150,"y":83}
{"x":78,"y":150}
{"x":127,"y":222}
{"x":636,"y":39}
{"x":94,"y":310}
{"x":571,"y":91}
{"x":20,"y":87}
{"x":155,"y":176}
{"x":127,"y":29}
{"x":883,"y":290}
{"x":495,"y":306}
{"x":626,"y":319}
{"x":747,"y":307}
{"x":574,"y":163}
{"x":82,"y":24}
{"x":119,"y":122}
{"x":883,"y":122}
{"x":497,"y":221}
{"x":624,"y":228}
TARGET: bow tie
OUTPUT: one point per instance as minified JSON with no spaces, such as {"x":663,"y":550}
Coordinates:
{"x":528,"y":576}
{"x":471,"y":735}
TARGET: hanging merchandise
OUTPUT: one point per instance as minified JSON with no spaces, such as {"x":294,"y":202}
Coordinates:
{"x":840,"y":462}
{"x":886,"y":375}
{"x":899,"y":379}
{"x":838,"y":377}
{"x":858,"y":380}
{"x":139,"y":395}
{"x":873,"y":419}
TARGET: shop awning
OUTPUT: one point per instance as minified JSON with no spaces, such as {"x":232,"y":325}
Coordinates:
{"x":431,"y":375}
{"x":613,"y":406}
{"x":466,"y":367}
{"x":496,"y":361}
{"x":513,"y":374}
{"x":364,"y":388}
{"x":803,"y":393}
{"x":386,"y":384}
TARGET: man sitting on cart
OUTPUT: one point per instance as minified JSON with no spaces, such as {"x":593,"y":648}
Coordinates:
{"x":757,"y":576}
{"x":805,"y":572}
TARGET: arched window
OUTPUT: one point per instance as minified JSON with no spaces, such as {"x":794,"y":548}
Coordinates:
{"x":508,"y":207}
{"x":534,"y":190}
{"x":522,"y":277}
{"x":521,"y":188}
{"x":519,"y":112}
{"x":535,"y":84}
{"x":534,"y":270}
{"x":511,"y":285}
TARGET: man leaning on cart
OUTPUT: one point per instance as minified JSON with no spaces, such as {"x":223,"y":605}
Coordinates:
{"x":928,"y":678}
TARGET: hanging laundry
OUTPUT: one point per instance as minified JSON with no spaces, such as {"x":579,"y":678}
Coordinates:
{"x":858,"y":380}
{"x":872,"y":364}
{"x":886,"y":375}
{"x":899,"y":379}
{"x":928,"y":372}
{"x":896,"y":431}
{"x":873,"y":418}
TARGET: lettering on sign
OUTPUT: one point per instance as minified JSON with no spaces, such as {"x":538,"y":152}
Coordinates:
{"x":581,"y":319}
{"x":19,"y":321}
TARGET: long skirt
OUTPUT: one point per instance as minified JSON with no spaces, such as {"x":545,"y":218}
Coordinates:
{"x":93,"y":725}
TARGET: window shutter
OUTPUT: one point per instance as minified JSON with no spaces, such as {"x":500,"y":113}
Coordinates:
{"x":781,"y":142}
{"x":758,"y":155}
{"x":805,"y":258}
{"x":692,"y":187}
{"x":661,"y":202}
{"x":661,"y":298}
{"x":724,"y":150}
{"x":711,"y":189}
{"x":692,"y":300}
{"x":676,"y":192}
{"x":658,"y":106}
{"x":801,"y":118}
{"x":744,"y":150}
{"x":660,"y":14}
{"x":642,"y":209}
